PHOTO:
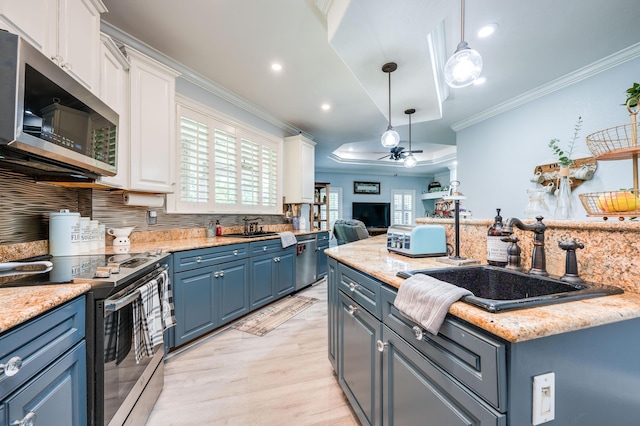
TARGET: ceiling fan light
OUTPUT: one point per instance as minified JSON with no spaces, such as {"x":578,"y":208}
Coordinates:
{"x":390,"y":138}
{"x":463,"y":67}
{"x":410,"y":161}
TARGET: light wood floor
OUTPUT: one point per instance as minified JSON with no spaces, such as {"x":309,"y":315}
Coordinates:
{"x":236,"y":378}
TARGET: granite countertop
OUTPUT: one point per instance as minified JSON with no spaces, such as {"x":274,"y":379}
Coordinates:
{"x":371,"y":257}
{"x":20,"y":304}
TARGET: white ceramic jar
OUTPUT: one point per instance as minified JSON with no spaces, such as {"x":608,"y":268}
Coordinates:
{"x":64,"y":233}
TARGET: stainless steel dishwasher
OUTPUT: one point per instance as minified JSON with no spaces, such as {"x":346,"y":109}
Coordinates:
{"x":306,"y":261}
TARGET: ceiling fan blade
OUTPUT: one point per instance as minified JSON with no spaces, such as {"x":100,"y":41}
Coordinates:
{"x":419,"y":151}
{"x":385,"y":156}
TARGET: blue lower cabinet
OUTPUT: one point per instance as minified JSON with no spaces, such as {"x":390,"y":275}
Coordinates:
{"x":323,"y":244}
{"x":56,"y":396}
{"x":231,"y":282}
{"x":273,"y":276}
{"x":195,"y":304}
{"x":285,"y":281}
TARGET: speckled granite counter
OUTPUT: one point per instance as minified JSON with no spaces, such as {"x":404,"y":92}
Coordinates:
{"x":20,"y":304}
{"x":371,"y":257}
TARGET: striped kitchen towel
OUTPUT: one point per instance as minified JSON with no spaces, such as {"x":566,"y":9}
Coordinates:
{"x":167,"y":307}
{"x":147,"y":331}
{"x":426,"y":300}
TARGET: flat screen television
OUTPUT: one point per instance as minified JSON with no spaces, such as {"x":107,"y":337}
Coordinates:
{"x":373,"y":215}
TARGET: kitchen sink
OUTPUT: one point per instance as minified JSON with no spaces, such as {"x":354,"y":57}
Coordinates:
{"x":498,"y":289}
{"x":251,"y":235}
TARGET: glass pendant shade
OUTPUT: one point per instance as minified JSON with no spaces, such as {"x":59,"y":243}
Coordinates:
{"x":463,"y":67}
{"x":410,"y":161}
{"x":390,"y":138}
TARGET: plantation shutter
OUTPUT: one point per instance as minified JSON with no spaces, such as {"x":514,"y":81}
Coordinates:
{"x":194,"y":158}
{"x":225,"y":165}
{"x":269,"y":176}
{"x":250,"y":173}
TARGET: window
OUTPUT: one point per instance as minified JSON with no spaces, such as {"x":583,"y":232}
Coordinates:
{"x":224,"y":166}
{"x":402,"y":207}
{"x":335,"y":204}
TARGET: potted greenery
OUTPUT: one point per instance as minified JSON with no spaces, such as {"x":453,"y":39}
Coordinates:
{"x":633,"y":94}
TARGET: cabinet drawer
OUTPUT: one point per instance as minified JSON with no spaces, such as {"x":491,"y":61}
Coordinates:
{"x":191,"y":259}
{"x":267,"y":246}
{"x":474,"y":358}
{"x":41,"y":341}
{"x":361,"y":288}
{"x":323,"y":239}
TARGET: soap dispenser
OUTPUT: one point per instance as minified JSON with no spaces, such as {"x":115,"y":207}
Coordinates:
{"x":218,"y":228}
{"x":496,"y":247}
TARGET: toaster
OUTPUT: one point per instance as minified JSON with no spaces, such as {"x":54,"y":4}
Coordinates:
{"x":417,"y":241}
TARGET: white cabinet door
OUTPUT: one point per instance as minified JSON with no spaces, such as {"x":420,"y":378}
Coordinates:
{"x":152,"y":124}
{"x":67,"y":31}
{"x":299,"y":170}
{"x":114,"y":88}
{"x":79,"y":41}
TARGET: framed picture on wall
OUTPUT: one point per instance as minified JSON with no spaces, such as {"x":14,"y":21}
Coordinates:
{"x":366,"y":187}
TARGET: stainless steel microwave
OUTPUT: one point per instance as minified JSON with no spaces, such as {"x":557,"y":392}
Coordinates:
{"x":50,"y":124}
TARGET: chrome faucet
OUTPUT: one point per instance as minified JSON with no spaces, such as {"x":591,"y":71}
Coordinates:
{"x":538,"y":261}
{"x":253,"y":225}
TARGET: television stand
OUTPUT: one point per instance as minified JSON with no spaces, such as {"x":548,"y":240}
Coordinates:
{"x":377,"y":231}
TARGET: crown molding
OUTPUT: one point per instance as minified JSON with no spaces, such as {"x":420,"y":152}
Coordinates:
{"x":199,"y":80}
{"x":611,"y":61}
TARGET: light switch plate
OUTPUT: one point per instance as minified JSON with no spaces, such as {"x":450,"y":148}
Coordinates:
{"x":544,"y":395}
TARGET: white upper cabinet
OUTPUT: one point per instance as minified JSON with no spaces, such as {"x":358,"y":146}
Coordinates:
{"x":114,"y":91}
{"x":152,"y":124}
{"x":67,"y":31}
{"x":299,"y":170}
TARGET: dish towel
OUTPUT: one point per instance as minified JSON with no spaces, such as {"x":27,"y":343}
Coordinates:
{"x":147,"y":331}
{"x":287,"y":238}
{"x":167,"y":307}
{"x":426,"y":300}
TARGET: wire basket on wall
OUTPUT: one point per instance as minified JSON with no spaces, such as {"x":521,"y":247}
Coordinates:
{"x":611,"y":203}
{"x":616,"y":143}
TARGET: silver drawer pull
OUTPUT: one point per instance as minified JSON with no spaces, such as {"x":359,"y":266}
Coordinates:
{"x":352,"y":310}
{"x":235,"y":252}
{"x":216,"y":274}
{"x":198,"y":259}
{"x":12,"y":366}
{"x":264,"y":248}
{"x":417,"y":332}
{"x":380,"y":345}
{"x":352,"y":286}
{"x":28,"y":420}
{"x":221,"y":273}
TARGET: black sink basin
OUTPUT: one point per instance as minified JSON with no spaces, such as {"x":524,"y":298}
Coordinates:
{"x":497,"y":289}
{"x":251,"y":235}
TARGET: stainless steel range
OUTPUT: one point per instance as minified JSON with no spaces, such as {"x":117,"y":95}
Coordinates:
{"x":121,"y":391}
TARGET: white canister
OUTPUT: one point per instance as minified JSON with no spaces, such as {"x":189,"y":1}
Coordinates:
{"x":64,"y":233}
{"x":94,"y":239}
{"x":85,"y":234}
{"x":101,"y":235}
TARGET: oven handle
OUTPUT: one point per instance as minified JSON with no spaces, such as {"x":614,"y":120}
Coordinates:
{"x":117,"y":304}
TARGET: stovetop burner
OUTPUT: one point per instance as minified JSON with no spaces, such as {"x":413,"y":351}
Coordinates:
{"x":121,"y":269}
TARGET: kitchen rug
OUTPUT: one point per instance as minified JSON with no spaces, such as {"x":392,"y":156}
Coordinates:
{"x":275,"y":314}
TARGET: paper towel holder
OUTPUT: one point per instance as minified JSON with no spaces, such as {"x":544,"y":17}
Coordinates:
{"x":143,"y":199}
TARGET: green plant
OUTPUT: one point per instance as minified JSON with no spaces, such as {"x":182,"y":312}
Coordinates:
{"x":564,"y":159}
{"x":632,"y":92}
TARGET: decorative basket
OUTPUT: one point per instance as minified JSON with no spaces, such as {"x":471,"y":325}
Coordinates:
{"x":616,"y":143}
{"x":619,"y":204}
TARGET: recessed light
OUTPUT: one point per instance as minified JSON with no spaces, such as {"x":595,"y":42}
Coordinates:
{"x":276,"y":66}
{"x":325,"y":107}
{"x":479,"y":81}
{"x":487,"y":30}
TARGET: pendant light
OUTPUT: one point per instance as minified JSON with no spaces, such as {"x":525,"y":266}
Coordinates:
{"x":465,"y":65}
{"x":410,"y":161}
{"x":390,"y":138}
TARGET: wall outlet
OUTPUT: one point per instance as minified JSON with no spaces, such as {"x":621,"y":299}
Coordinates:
{"x":544,"y":395}
{"x":152,"y":217}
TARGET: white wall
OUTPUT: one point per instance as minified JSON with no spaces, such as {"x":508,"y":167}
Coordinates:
{"x":497,"y":156}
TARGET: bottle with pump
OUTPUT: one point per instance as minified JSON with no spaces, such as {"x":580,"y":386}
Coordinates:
{"x":496,"y":248}
{"x":218,"y":228}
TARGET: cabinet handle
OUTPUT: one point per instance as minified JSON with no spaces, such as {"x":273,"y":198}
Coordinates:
{"x":352,"y":310}
{"x":67,"y":66}
{"x":198,"y":259}
{"x":277,"y":259}
{"x":11,"y":367}
{"x":221,"y":274}
{"x":57,"y":59}
{"x":216,"y":274}
{"x":417,"y":332}
{"x":380,"y":345}
{"x":28,"y":420}
{"x":235,"y":252}
{"x":352,"y":286}
{"x":264,"y":248}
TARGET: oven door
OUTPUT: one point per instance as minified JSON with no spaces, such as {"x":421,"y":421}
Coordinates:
{"x":120,"y":380}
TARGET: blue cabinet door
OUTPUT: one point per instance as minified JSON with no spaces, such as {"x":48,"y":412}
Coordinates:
{"x":56,"y":396}
{"x":261,"y":287}
{"x":285,"y":277}
{"x":359,"y":371}
{"x":323,"y":244}
{"x":332,"y":314}
{"x":232,"y":289}
{"x":194,"y":300}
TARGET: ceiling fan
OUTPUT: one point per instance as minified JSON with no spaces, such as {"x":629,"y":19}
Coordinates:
{"x":398,"y":153}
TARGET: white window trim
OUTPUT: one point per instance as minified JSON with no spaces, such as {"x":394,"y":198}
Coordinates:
{"x":242,"y":130}
{"x":411,"y":192}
